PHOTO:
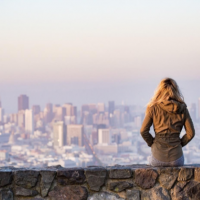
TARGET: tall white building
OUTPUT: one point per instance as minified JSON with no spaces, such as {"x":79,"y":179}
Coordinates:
{"x":104,"y":136}
{"x":101,"y":107}
{"x":59,"y":134}
{"x":75,"y":134}
{"x":1,"y":114}
{"x":29,"y":123}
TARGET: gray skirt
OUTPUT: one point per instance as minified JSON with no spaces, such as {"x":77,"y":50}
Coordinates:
{"x":156,"y":163}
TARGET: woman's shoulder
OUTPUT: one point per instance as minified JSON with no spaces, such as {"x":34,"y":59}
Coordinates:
{"x":151,"y":109}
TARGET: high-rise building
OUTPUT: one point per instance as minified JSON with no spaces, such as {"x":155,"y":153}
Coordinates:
{"x":59,"y":134}
{"x":1,"y":114}
{"x":111,"y":107}
{"x":36,"y":109}
{"x":71,"y":112}
{"x":101,"y":107}
{"x":68,"y":108}
{"x":23,"y":102}
{"x":48,"y":113}
{"x":21,"y":119}
{"x":60,"y":113}
{"x":104,"y":136}
{"x":29,"y":123}
{"x":75,"y":135}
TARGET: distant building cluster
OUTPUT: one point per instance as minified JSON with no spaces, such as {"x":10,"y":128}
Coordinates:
{"x":103,"y":134}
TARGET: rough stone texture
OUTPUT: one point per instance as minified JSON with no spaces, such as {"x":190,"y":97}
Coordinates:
{"x":26,"y":178}
{"x":133,"y":182}
{"x":105,"y":196}
{"x":6,"y":194}
{"x":177,"y":193}
{"x":96,"y":177}
{"x":168,"y":177}
{"x":20,"y":191}
{"x":118,"y":172}
{"x":5,"y":178}
{"x":160,"y":193}
{"x":119,"y":186}
{"x":197,"y":174}
{"x":47,"y":178}
{"x":193,"y":190}
{"x":132,"y":195}
{"x":185,"y":174}
{"x":145,"y":178}
{"x":146,"y":195}
{"x":74,"y":192}
{"x":71,"y":176}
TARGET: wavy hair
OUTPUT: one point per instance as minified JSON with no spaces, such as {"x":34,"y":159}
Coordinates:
{"x":166,"y":90}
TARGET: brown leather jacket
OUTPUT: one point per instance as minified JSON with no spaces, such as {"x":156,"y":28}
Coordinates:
{"x":168,"y":119}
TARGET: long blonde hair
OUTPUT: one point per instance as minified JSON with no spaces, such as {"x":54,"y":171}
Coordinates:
{"x":166,"y":90}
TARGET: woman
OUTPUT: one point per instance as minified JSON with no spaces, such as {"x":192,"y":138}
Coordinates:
{"x":168,"y":113}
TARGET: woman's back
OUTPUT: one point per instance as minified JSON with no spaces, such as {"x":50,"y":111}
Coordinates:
{"x":168,"y":113}
{"x":168,"y":119}
{"x":168,"y":116}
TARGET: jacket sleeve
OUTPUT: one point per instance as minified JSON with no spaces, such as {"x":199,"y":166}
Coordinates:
{"x":189,"y":128}
{"x":144,"y":131}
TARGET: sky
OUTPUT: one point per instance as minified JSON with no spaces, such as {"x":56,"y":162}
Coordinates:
{"x":55,"y":50}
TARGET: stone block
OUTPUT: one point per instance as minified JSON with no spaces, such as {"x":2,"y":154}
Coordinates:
{"x":177,"y":192}
{"x":5,"y":178}
{"x":197,"y":174}
{"x":168,"y":177}
{"x":20,"y":191}
{"x":145,"y":178}
{"x":105,"y":196}
{"x":6,"y":194}
{"x":185,"y":174}
{"x":95,"y":177}
{"x":72,"y":192}
{"x":47,"y":178}
{"x":160,"y":193}
{"x":132,"y":195}
{"x":192,"y":190}
{"x":26,"y":178}
{"x":71,"y":176}
{"x":120,"y":172}
{"x":119,"y":186}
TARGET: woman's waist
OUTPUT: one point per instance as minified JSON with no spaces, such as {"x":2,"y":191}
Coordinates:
{"x":168,"y":139}
{"x":167,"y":135}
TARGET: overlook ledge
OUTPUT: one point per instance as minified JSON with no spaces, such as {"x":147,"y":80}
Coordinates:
{"x":131,"y":182}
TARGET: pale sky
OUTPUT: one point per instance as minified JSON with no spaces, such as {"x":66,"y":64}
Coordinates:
{"x":99,"y":40}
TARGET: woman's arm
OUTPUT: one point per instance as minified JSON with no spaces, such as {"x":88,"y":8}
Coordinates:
{"x":144,"y":131}
{"x":189,"y":128}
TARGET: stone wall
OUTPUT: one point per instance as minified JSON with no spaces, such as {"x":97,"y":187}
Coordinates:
{"x":132,"y":182}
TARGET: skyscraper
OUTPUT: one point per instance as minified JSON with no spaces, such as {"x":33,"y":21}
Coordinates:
{"x":36,"y":109}
{"x":59,"y":134}
{"x":48,"y":113}
{"x":101,"y":107}
{"x":111,"y":107}
{"x":29,"y":124}
{"x":75,"y":135}
{"x":104,"y":136}
{"x":1,"y":113}
{"x":23,"y":102}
